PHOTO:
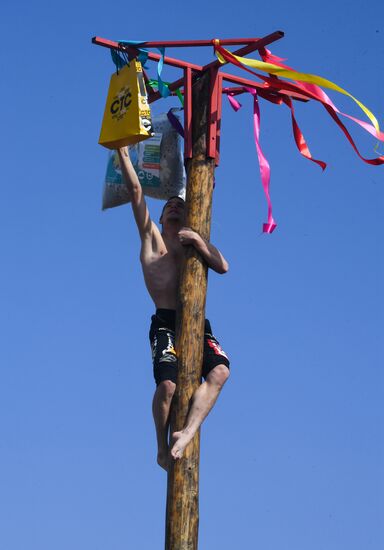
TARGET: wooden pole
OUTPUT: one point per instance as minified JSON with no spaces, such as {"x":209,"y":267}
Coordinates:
{"x":182,"y":519}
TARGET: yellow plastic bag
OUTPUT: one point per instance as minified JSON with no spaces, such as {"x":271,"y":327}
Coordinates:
{"x":127,"y":117}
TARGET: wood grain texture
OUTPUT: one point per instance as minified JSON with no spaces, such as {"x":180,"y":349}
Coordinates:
{"x":182,"y":517}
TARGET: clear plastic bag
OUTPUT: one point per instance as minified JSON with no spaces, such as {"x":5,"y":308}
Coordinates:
{"x":158,"y":162}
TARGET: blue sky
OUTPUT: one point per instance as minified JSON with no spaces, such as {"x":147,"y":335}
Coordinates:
{"x":292,"y":456}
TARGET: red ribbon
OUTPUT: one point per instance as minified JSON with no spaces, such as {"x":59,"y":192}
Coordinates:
{"x":299,"y":138}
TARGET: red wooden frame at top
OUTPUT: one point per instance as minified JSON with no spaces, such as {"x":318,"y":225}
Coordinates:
{"x":250,"y":45}
{"x":193,"y":43}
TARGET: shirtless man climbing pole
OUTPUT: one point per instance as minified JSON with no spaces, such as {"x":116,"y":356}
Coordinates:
{"x":160,"y":256}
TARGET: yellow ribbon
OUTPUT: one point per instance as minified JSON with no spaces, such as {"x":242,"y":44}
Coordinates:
{"x":294,"y":75}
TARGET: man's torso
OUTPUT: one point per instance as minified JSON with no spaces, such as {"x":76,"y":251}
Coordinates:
{"x":161,"y":268}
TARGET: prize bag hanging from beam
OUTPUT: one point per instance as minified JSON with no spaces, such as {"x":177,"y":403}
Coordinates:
{"x":158,"y":162}
{"x":127,"y":116}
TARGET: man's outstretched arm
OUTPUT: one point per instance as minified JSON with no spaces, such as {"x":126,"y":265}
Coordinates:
{"x":139,"y":205}
{"x":212,"y":256}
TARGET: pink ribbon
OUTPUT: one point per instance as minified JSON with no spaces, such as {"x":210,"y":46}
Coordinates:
{"x":236,"y":105}
{"x":265,"y":171}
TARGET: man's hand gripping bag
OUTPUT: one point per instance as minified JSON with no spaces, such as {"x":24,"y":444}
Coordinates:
{"x":127,"y":117}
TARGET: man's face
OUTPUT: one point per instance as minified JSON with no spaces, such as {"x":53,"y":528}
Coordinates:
{"x":174,"y":210}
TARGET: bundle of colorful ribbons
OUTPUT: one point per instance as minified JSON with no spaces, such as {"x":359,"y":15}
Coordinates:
{"x":307,"y":85}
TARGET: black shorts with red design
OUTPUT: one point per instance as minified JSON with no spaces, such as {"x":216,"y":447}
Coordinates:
{"x":162,"y":338}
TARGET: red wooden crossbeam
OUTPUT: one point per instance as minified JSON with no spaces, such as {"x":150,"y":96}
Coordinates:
{"x":260,"y":87}
{"x":192,"y":43}
{"x":256,"y":44}
{"x":187,"y":113}
{"x":216,"y":87}
{"x":153,"y":56}
{"x":218,"y":124}
{"x":191,"y":69}
{"x":261,"y":43}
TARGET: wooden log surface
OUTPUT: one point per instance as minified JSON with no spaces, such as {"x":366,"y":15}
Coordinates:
{"x":182,"y":516}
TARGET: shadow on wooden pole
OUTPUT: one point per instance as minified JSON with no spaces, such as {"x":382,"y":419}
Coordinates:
{"x":182,"y":516}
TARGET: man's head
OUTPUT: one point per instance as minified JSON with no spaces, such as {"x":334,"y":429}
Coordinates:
{"x":173,"y":211}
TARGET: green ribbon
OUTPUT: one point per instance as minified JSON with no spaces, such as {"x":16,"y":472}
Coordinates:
{"x":155,"y":84}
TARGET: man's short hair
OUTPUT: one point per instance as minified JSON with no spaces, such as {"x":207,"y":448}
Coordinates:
{"x":170,"y":198}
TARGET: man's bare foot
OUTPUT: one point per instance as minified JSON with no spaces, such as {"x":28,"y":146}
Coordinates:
{"x":162,"y":459}
{"x":180,"y":440}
